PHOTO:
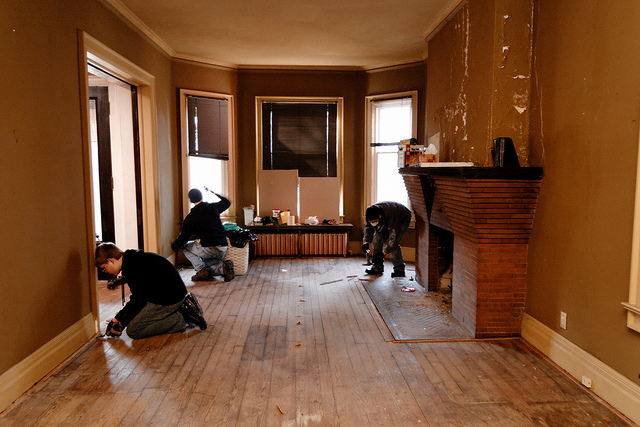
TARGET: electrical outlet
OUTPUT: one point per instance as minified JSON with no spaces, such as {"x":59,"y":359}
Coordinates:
{"x":586,"y":381}
{"x":563,"y":320}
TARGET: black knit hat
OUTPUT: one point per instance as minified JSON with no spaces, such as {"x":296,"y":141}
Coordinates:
{"x":195,"y":195}
{"x":373,"y":212}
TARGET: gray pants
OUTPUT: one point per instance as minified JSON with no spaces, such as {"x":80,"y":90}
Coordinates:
{"x":156,"y":319}
{"x":201,"y":256}
{"x":395,"y":255}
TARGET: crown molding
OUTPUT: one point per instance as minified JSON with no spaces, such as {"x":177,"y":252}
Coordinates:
{"x":442,"y":19}
{"x":137,"y":24}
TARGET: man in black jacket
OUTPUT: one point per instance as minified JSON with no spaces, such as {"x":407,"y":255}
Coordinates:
{"x":384,"y":227}
{"x":206,"y":253}
{"x":159,"y":302}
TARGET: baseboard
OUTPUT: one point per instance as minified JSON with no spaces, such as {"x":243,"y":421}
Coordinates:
{"x":617,"y":390}
{"x":21,"y":377}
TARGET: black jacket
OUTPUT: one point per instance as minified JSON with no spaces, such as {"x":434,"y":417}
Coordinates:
{"x":204,"y":223}
{"x":395,"y":220}
{"x":151,"y":278}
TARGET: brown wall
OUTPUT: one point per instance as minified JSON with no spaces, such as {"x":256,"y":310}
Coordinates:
{"x":584,"y":131}
{"x":45,"y":262}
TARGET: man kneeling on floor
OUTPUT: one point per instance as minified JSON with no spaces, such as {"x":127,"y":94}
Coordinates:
{"x":159,"y":302}
{"x":206,"y":253}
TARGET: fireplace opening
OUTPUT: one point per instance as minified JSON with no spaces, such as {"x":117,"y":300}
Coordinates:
{"x":443,"y":240}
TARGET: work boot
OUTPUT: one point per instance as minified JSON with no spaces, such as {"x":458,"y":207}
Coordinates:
{"x":191,"y":301}
{"x":192,"y":312}
{"x":375,"y":270}
{"x":227,"y":270}
{"x":398,"y":273}
{"x":203,"y":274}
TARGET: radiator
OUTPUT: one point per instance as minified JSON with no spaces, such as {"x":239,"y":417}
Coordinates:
{"x":277,"y":244}
{"x":302,"y":244}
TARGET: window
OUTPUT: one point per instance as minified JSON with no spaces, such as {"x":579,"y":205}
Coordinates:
{"x":207,"y":145}
{"x":390,"y":119}
{"x":300,"y":135}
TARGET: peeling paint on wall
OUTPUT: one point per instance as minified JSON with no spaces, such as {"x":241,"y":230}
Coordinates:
{"x":503,"y":40}
{"x":521,"y":102}
{"x":482,"y":75}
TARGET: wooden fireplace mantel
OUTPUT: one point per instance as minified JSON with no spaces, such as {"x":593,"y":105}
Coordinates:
{"x":475,"y":172}
{"x":490,"y":212}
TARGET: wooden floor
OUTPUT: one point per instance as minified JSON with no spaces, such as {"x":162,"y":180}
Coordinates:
{"x":297,"y":342}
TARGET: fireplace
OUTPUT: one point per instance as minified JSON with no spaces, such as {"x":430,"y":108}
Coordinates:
{"x":490,"y":213}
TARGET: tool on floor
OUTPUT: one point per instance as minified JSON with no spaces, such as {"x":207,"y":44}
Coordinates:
{"x":367,"y":254}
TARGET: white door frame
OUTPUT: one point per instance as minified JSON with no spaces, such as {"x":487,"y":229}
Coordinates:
{"x":91,"y":50}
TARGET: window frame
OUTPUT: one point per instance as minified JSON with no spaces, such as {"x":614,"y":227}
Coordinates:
{"x":229,"y":167}
{"x":633,"y":305}
{"x":369,"y":189}
{"x":339,"y":135}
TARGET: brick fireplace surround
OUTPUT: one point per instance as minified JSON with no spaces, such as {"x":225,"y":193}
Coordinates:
{"x":490,"y":213}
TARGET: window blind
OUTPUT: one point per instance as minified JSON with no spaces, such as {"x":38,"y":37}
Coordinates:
{"x":300,"y":135}
{"x":208,"y":127}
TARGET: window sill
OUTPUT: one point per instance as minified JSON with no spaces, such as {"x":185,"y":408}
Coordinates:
{"x":633,"y":319}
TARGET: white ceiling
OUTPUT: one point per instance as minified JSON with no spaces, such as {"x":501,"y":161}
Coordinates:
{"x":352,"y":34}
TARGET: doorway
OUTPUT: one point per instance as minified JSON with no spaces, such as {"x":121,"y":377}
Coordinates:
{"x":115,"y":160}
{"x":140,"y":89}
{"x":117,"y":201}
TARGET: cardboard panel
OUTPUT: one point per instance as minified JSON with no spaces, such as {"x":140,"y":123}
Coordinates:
{"x":277,"y":189}
{"x":319,"y":197}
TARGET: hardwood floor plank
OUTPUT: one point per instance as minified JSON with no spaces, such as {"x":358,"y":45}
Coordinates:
{"x":350,"y":403}
{"x":144,"y":407}
{"x":314,"y":403}
{"x":280,"y":348}
{"x":396,"y":397}
{"x":248,"y":344}
{"x":225,"y":409}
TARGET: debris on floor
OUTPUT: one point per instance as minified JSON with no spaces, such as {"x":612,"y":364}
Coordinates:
{"x":328,"y":283}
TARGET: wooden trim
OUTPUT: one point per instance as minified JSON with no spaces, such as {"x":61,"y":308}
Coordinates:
{"x":229,"y":172}
{"x":617,"y":390}
{"x":369,"y":188}
{"x":101,"y":55}
{"x":21,"y":377}
{"x":633,"y":317}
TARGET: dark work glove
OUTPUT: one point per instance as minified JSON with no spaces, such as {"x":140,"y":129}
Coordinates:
{"x":365,"y":248}
{"x":114,"y":328}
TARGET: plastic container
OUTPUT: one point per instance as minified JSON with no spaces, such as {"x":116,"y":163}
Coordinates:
{"x":248,"y":215}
